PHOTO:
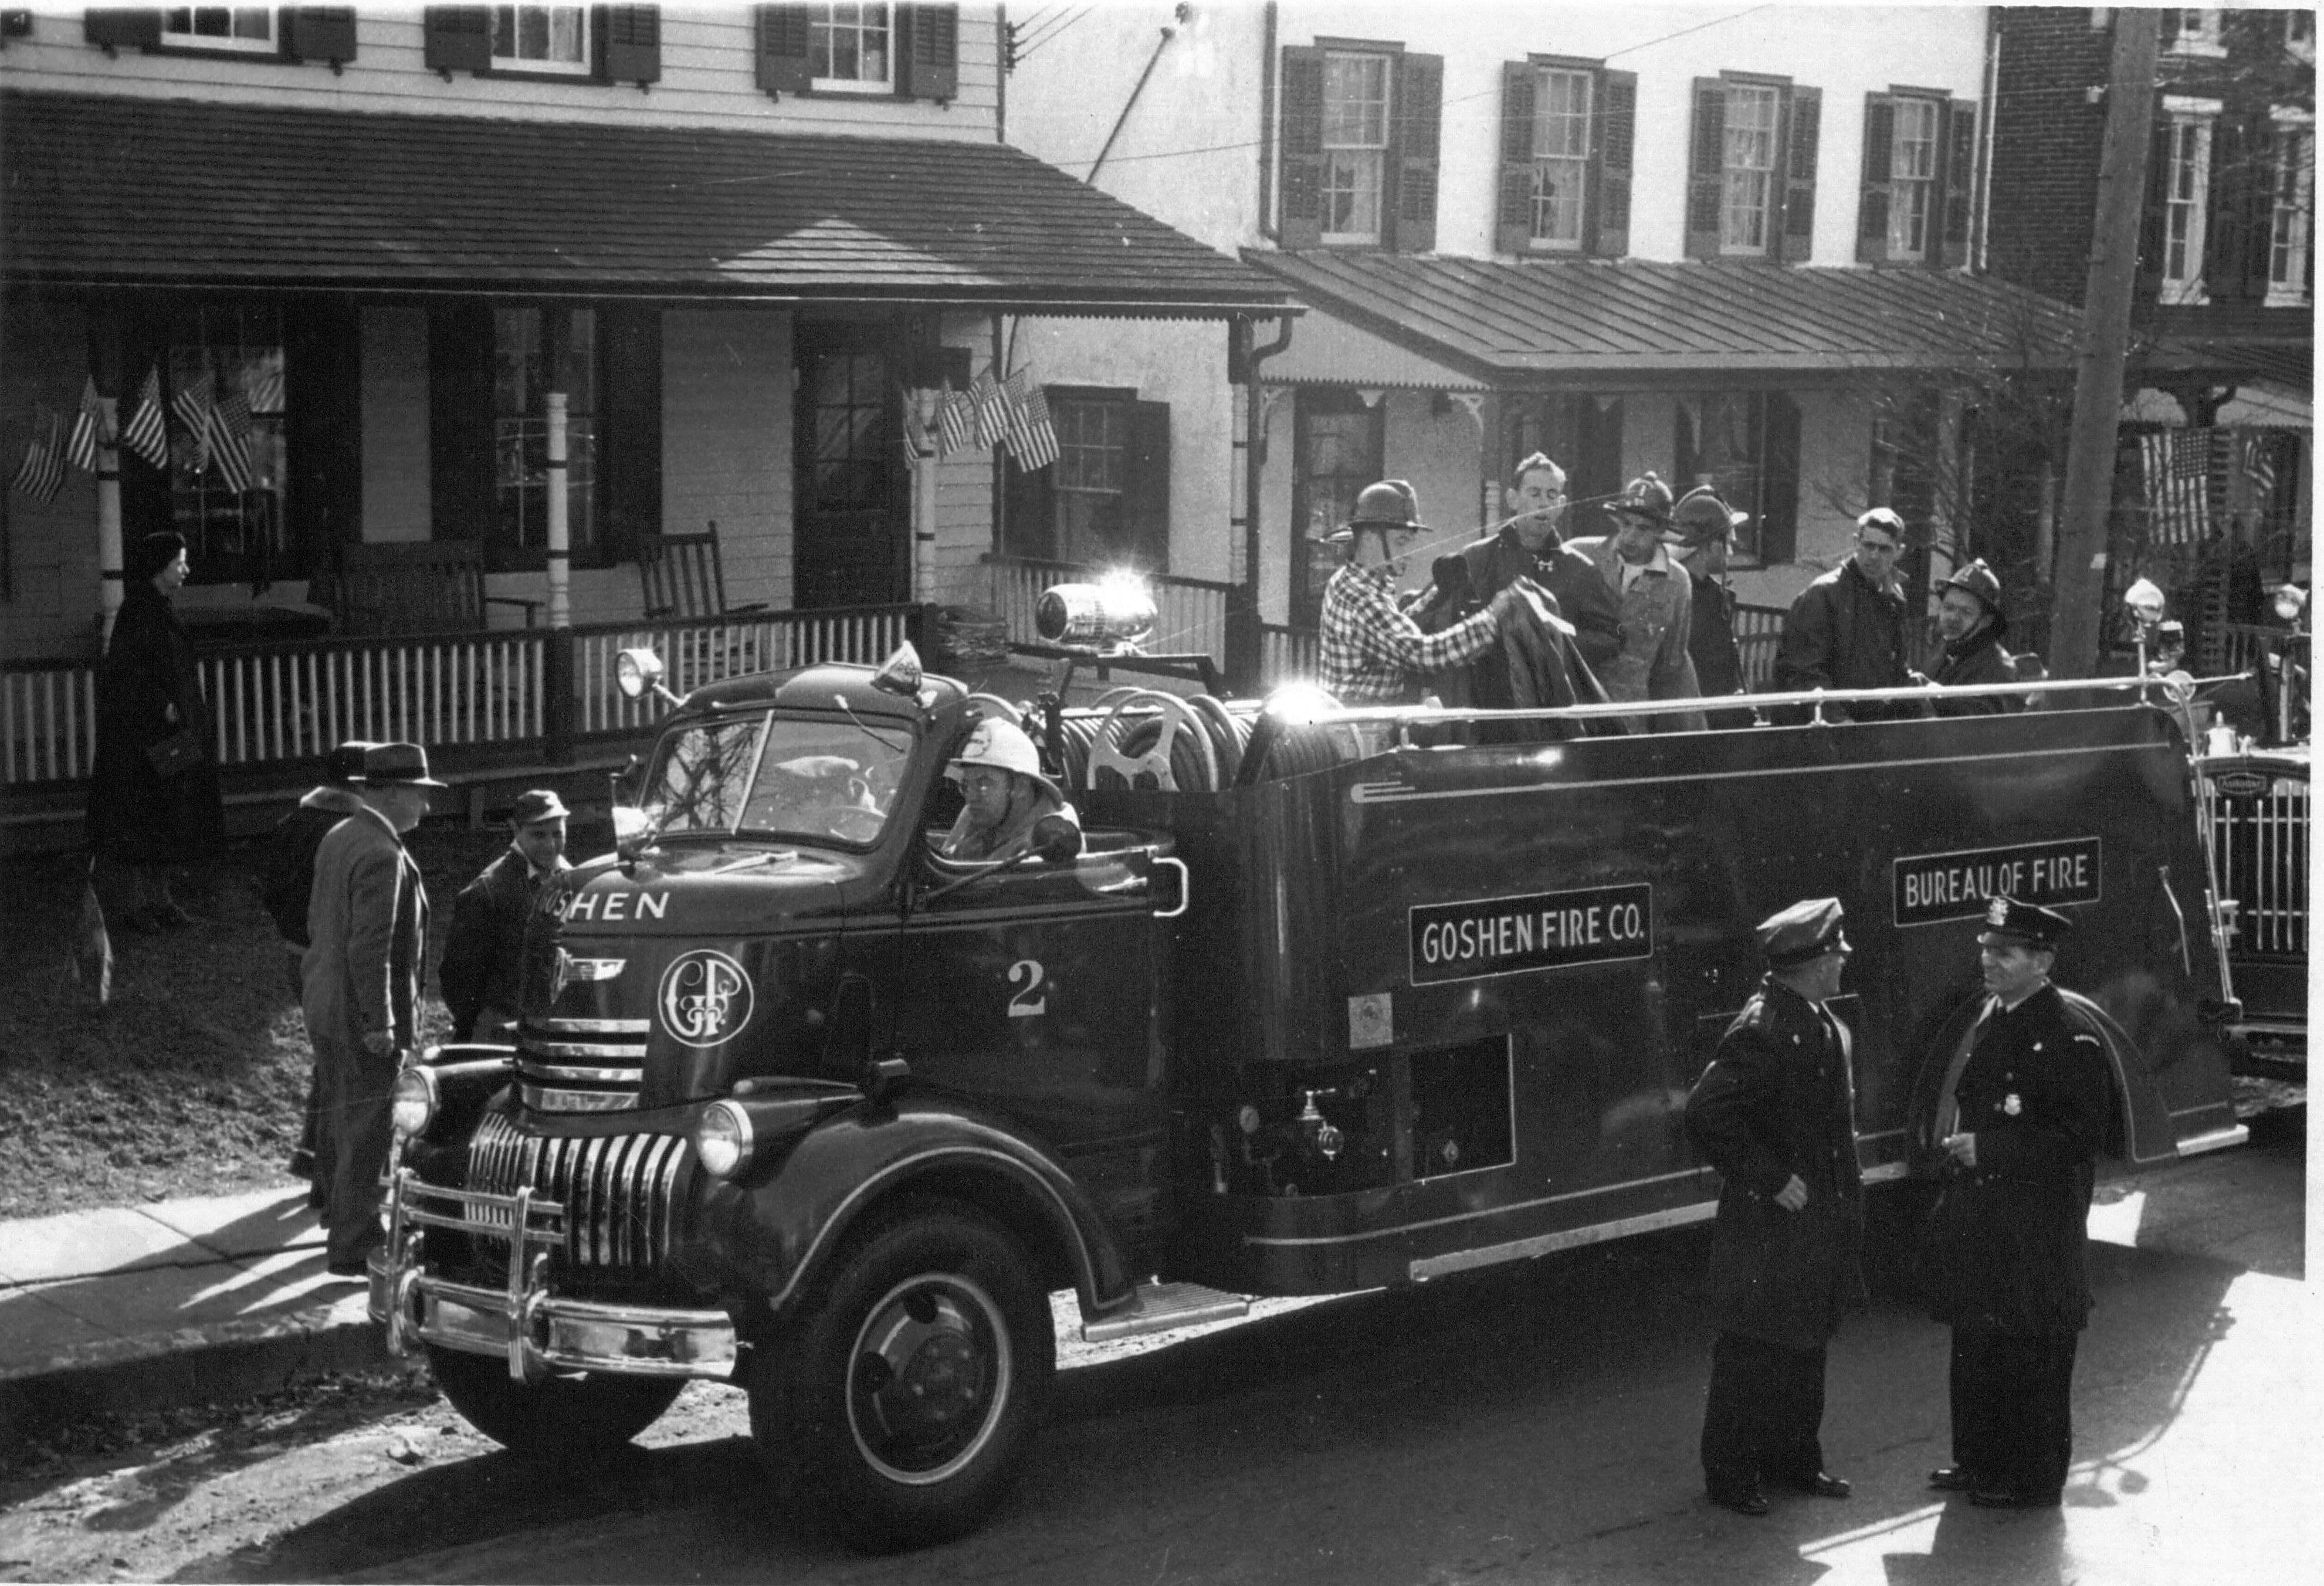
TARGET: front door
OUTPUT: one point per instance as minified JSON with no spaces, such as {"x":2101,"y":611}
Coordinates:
{"x":852,"y":539}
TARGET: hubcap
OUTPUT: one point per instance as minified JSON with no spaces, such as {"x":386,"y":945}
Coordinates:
{"x":929,"y":1372}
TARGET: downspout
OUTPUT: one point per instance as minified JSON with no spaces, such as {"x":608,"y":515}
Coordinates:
{"x":1129,"y":105}
{"x":1981,"y":201}
{"x":1266,"y":126}
{"x":1000,"y":74}
{"x":1244,"y":658}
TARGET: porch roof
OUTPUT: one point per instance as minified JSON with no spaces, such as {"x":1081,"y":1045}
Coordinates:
{"x":1534,"y":323}
{"x":153,"y":193}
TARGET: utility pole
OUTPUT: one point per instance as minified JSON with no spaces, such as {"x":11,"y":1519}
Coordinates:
{"x":2080,"y":575}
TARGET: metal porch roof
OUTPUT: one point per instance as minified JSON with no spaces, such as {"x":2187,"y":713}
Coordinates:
{"x":100,"y":190}
{"x":1533,"y":322}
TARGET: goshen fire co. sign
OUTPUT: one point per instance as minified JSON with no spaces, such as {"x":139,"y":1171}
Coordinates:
{"x":1934,"y":887}
{"x":1539,"y":930}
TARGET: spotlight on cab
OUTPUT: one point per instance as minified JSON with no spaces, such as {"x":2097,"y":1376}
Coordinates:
{"x":1112,"y":615}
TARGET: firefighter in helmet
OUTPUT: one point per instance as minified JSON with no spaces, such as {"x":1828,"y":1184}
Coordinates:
{"x":1010,"y":807}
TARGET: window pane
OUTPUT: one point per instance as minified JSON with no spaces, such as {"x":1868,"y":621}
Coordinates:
{"x":229,"y":535}
{"x":1355,"y":101}
{"x":1561,"y":126}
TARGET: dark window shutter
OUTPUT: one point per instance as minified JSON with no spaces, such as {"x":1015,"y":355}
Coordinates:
{"x":629,"y":437}
{"x":322,"y":439}
{"x":1611,"y":141}
{"x":2226,"y":233}
{"x":319,"y":32}
{"x":138,"y":29}
{"x":458,"y":38}
{"x":1879,"y":161}
{"x":1960,"y":180}
{"x":1419,"y":106}
{"x":1779,"y":494}
{"x":1513,"y":221}
{"x":2151,"y":216}
{"x":1598,"y":470}
{"x":782,"y":49}
{"x":461,"y":485}
{"x":629,"y":43}
{"x":1029,"y":511}
{"x":1706,"y":168}
{"x":1301,"y":224}
{"x":2259,"y":230}
{"x":1802,"y":130}
{"x":930,"y":50}
{"x":1146,"y":484}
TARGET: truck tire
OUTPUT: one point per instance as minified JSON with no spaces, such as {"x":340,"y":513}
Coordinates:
{"x":558,"y":1417}
{"x":894,"y":1408}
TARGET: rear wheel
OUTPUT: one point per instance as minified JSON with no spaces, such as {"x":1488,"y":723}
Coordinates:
{"x":561,"y":1415}
{"x":895,"y":1407}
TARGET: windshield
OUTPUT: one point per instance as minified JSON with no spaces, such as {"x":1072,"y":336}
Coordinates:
{"x":761,"y":776}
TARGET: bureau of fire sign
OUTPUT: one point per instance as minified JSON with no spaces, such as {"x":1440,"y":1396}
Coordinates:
{"x":1932,"y":886}
{"x":1542,"y":930}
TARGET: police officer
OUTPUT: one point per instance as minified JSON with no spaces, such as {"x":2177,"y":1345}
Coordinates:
{"x":1775,"y":1113}
{"x":2020,"y":1129}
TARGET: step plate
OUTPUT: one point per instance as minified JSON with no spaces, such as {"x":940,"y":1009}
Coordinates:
{"x":1161,"y":1306}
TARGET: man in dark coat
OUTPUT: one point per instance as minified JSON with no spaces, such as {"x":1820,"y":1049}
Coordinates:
{"x":153,"y":798}
{"x":486,"y":941}
{"x":1701,"y":536}
{"x":1846,"y":629}
{"x":1775,"y":1113}
{"x":1971,"y":617}
{"x":2020,"y":1124}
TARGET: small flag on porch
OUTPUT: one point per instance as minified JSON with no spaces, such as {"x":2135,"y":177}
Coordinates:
{"x":42,"y":471}
{"x":145,"y":433}
{"x":2259,"y":466}
{"x":956,"y":422}
{"x":1032,"y":438}
{"x":229,"y":439}
{"x":192,"y":405}
{"x":88,"y":430}
{"x":992,"y":409}
{"x":2177,"y":463}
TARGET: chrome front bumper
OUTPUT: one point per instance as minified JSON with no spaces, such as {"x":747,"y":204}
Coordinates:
{"x":537,"y":1329}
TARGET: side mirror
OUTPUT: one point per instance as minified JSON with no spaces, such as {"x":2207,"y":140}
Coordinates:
{"x":1055,"y":840}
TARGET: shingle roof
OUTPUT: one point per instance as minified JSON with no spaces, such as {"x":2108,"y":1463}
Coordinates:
{"x":1601,"y":316}
{"x":100,"y":189}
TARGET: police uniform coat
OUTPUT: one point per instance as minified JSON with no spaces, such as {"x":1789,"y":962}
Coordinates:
{"x":1778,"y":1099}
{"x":2007,"y":1234}
{"x":1979,"y":661}
{"x":482,"y":949}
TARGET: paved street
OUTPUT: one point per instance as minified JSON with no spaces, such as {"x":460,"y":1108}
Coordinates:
{"x":1536,"y":1424}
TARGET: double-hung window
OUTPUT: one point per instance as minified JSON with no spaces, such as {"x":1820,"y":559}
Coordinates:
{"x":541,"y":38}
{"x":526,"y":367}
{"x":2186,"y":197}
{"x":1747,"y":171}
{"x":1567,"y":130}
{"x":1105,"y":502}
{"x":223,"y":380}
{"x":1355,"y":145}
{"x":1751,"y":168}
{"x":247,"y":28}
{"x":1912,"y":200}
{"x":1920,"y":169}
{"x":1561,"y":157}
{"x":2292,"y":217}
{"x":851,"y":49}
{"x":1359,"y":137}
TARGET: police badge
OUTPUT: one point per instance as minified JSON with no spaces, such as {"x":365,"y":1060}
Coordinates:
{"x":2011,"y":1106}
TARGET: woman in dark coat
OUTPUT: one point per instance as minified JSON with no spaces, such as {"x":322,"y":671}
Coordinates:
{"x":153,"y":797}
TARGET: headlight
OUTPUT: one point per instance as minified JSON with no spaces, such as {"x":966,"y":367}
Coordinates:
{"x":636,"y":671}
{"x":411,"y":1105}
{"x":721,"y":1139}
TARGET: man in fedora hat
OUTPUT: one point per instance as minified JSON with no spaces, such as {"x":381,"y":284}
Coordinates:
{"x":2018,"y":1129}
{"x":1775,"y":1113}
{"x":1846,"y":629}
{"x":1970,"y":622}
{"x":1372,"y":652}
{"x":366,"y":946}
{"x":1655,"y":598}
{"x":482,"y":948}
{"x":1700,"y":537}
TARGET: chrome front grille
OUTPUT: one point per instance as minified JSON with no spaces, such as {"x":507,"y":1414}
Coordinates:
{"x":2259,"y":845}
{"x":621,"y":1193}
{"x":580,"y":1064}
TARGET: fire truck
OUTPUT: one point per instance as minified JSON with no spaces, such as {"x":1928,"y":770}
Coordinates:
{"x":1326,"y":1000}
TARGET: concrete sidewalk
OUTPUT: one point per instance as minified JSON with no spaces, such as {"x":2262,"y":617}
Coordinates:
{"x":179,"y":1301}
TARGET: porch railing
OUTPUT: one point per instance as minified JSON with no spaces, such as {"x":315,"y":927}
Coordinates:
{"x":505,"y":696}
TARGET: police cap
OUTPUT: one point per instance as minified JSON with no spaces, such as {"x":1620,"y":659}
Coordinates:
{"x":1808,"y":928}
{"x":2011,"y":924}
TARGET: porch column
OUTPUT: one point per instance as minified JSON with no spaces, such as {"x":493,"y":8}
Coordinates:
{"x":561,"y":527}
{"x":924,"y":499}
{"x":110,"y":570}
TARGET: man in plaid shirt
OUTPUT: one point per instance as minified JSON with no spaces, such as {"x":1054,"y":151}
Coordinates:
{"x":1372,"y":652}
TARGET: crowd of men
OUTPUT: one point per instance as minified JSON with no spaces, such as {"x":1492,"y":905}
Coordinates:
{"x":1643,"y":613}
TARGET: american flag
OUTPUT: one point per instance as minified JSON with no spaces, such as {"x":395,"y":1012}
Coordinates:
{"x":956,"y":422}
{"x":229,"y":438}
{"x":89,"y":430}
{"x":2259,"y":466}
{"x":991,"y":403}
{"x":1032,"y":439}
{"x":145,"y":433}
{"x":42,"y":471}
{"x":192,"y":405}
{"x":2178,"y":493}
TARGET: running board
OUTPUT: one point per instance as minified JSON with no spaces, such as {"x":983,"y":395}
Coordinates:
{"x":2216,"y":1139}
{"x":1158,"y":1308}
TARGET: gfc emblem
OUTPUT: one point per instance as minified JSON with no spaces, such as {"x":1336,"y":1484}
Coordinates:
{"x":705,"y":998}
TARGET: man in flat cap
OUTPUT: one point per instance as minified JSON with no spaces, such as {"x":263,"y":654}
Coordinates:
{"x":2019,"y":1127}
{"x":479,"y":974}
{"x":1372,"y":652}
{"x":1775,"y":1114}
{"x":1971,"y":620}
{"x":1846,"y":629}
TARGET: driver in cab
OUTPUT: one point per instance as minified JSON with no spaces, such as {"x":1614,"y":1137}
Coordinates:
{"x":1011,"y":808}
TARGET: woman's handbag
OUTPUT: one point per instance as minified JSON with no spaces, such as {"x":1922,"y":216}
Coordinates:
{"x":175,"y":755}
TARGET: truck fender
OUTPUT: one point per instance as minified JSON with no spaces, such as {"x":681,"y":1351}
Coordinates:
{"x":2138,"y":1122}
{"x":786,"y":1229}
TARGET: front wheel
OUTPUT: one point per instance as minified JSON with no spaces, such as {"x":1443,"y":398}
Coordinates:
{"x":895,"y":1407}
{"x":557,"y":1416}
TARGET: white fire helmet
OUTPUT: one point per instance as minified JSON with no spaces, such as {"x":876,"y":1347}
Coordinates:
{"x":1005,"y":748}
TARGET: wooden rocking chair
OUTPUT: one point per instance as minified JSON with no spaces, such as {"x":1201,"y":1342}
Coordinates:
{"x":684,"y":577}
